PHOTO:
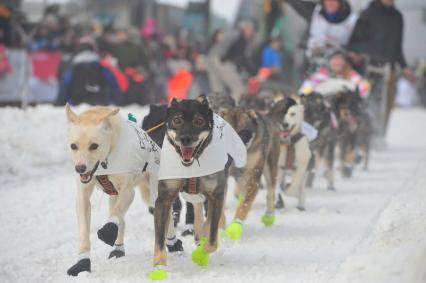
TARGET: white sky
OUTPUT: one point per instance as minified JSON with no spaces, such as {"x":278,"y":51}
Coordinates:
{"x":224,"y":8}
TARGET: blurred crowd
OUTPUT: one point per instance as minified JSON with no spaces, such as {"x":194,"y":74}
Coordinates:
{"x":107,"y":64}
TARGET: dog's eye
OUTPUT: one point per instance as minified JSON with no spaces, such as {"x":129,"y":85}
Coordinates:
{"x":292,"y":114}
{"x":177,"y":121}
{"x":74,"y":146}
{"x":93,"y":146}
{"x":199,"y":122}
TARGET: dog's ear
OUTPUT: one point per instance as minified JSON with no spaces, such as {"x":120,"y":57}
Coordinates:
{"x":173,"y":102}
{"x":252,"y":114}
{"x":71,"y":116}
{"x":223,"y":112}
{"x":110,"y":111}
{"x":107,"y":113}
{"x":203,"y":99}
{"x":280,"y":108}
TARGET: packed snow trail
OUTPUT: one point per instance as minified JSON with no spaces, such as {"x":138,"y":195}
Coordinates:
{"x":372,"y":229}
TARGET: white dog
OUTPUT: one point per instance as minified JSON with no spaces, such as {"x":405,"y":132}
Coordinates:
{"x":112,"y":153}
{"x":295,"y":152}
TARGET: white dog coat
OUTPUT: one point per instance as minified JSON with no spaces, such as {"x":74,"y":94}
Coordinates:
{"x":213,"y":159}
{"x":135,"y":152}
{"x":309,"y":131}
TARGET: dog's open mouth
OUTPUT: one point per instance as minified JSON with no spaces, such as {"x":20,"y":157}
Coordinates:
{"x":87,"y":177}
{"x":285,"y":134}
{"x":188,"y":153}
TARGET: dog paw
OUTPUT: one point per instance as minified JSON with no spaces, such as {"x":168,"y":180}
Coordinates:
{"x":175,"y":247}
{"x":199,"y":256}
{"x":116,"y":254}
{"x":159,"y":273}
{"x":280,"y":202}
{"x":268,"y":220}
{"x":81,"y":266}
{"x":108,"y":233}
{"x":234,"y":231}
{"x":331,"y":188}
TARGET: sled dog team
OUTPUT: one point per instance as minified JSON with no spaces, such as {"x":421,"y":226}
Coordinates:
{"x":192,"y":151}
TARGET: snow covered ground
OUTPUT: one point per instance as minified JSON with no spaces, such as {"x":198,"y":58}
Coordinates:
{"x":373,"y":229}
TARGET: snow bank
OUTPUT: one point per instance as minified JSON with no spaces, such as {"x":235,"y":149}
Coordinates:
{"x":35,"y":138}
{"x":396,"y":250}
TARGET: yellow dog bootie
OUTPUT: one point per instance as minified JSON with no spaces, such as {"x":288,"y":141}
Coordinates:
{"x":234,"y":231}
{"x":268,"y":220}
{"x":159,"y":273}
{"x":199,"y":256}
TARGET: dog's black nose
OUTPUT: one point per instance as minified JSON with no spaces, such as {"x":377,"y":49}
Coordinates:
{"x":185,"y":139}
{"x":285,"y":125}
{"x":80,"y":168}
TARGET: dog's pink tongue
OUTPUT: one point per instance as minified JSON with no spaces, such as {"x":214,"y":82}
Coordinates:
{"x":187,"y":152}
{"x":284,"y":134}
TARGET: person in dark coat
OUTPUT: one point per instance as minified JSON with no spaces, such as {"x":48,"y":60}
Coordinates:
{"x":87,"y":81}
{"x":379,"y":34}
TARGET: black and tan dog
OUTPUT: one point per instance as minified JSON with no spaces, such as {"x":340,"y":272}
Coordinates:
{"x":193,"y":134}
{"x":347,"y":107}
{"x":261,"y":137}
{"x":155,"y":126}
{"x":320,"y":116}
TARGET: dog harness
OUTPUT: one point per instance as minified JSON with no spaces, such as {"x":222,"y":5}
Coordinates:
{"x":191,"y":191}
{"x":225,"y":142}
{"x":106,"y":184}
{"x":291,"y":152}
{"x":135,"y":152}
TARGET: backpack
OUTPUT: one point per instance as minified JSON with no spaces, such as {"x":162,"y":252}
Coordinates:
{"x":88,"y":84}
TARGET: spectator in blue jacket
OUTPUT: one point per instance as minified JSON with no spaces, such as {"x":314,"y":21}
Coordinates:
{"x":87,"y":81}
{"x":271,"y":56}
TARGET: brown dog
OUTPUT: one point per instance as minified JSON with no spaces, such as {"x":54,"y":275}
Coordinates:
{"x":261,"y":137}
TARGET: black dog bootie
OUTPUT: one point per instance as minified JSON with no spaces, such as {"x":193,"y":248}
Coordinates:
{"x":81,"y":266}
{"x":108,"y":233}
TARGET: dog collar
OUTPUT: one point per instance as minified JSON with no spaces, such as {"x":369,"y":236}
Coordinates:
{"x":293,"y":139}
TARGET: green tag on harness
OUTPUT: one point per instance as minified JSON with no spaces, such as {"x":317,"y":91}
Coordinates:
{"x":131,"y":117}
